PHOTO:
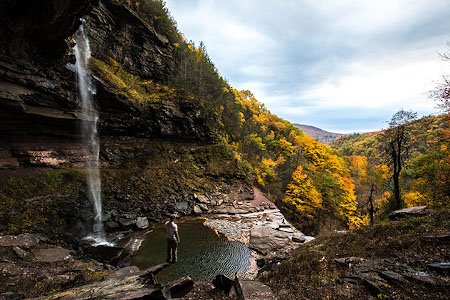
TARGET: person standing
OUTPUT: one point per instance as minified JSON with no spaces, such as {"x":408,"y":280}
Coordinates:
{"x":173,"y":239}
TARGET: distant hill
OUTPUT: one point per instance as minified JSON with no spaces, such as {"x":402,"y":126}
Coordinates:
{"x":320,"y":135}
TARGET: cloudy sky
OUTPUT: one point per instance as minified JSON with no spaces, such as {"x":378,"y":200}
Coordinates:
{"x":344,"y":65}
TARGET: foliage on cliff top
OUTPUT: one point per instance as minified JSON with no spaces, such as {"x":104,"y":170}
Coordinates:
{"x":140,"y":92}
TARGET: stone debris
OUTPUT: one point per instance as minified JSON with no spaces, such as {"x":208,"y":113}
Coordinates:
{"x":380,"y":275}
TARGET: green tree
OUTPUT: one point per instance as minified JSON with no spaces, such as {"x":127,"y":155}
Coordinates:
{"x":395,"y":143}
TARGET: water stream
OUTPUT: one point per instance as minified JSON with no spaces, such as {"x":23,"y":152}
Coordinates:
{"x":86,"y":90}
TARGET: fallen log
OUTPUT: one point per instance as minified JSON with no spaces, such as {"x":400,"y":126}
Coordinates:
{"x":126,"y":287}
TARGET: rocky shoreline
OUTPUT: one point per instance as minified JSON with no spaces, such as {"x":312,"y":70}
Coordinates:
{"x":30,"y":264}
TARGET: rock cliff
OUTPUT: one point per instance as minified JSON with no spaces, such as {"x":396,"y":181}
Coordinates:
{"x":152,"y":159}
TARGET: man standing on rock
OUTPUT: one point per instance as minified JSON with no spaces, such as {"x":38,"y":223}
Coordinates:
{"x":172,"y":239}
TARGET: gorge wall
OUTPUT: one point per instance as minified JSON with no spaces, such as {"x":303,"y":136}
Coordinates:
{"x":152,"y":160}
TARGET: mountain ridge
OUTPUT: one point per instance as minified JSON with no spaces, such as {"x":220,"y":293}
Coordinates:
{"x":321,"y":135}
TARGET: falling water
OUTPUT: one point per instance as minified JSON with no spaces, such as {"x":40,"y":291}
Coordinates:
{"x":86,"y":90}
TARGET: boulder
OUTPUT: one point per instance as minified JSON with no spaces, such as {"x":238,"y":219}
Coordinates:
{"x":142,"y":223}
{"x":202,"y":199}
{"x":126,"y":222}
{"x":265,"y":239}
{"x":416,"y":211}
{"x":223,"y":283}
{"x":109,"y":254}
{"x":197,"y":210}
{"x":180,"y":287}
{"x":203,"y":207}
{"x":254,"y":290}
{"x":25,"y":240}
{"x":182,"y":205}
{"x":50,"y":255}
{"x":20,"y":252}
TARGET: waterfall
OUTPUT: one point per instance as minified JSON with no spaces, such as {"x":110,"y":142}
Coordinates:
{"x":86,"y":90}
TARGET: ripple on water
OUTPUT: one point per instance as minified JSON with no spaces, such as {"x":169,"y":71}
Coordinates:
{"x":202,"y":254}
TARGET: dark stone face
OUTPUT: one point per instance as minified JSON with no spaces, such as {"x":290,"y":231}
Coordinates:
{"x":38,"y":92}
{"x":41,"y":25}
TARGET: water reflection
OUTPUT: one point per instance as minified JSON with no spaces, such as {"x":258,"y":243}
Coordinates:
{"x":202,"y":254}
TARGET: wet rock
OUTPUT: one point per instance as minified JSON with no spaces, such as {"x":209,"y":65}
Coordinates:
{"x":415,"y":211}
{"x":97,"y":228}
{"x":109,"y":254}
{"x":126,"y":222}
{"x":25,"y":240}
{"x":142,"y":223}
{"x":112,"y":225}
{"x":51,"y":255}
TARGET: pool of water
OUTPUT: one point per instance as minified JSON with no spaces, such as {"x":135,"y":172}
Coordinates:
{"x":202,"y":254}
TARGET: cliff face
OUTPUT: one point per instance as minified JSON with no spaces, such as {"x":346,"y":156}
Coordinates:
{"x":152,"y":159}
{"x":38,"y":87}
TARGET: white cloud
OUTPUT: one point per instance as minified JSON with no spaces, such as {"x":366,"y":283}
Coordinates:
{"x":314,"y":61}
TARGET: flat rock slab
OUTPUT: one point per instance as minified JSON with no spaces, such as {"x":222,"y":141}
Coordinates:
{"x":349,"y":260}
{"x":286,"y":229}
{"x":25,"y":240}
{"x":415,"y":211}
{"x":265,"y":239}
{"x":255,"y":290}
{"x":51,"y":255}
{"x":442,"y":268}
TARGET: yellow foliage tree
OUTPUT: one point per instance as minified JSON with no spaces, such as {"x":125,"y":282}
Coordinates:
{"x":302,"y":194}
